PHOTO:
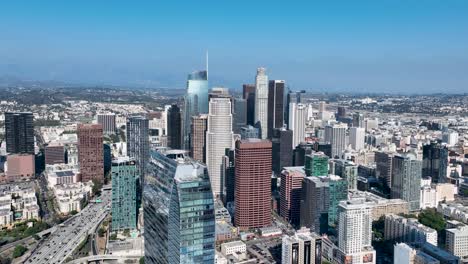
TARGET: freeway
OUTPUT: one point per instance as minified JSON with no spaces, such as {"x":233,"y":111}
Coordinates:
{"x":60,"y":244}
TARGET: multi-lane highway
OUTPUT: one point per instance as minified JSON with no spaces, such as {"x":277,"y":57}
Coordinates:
{"x":67,"y":237}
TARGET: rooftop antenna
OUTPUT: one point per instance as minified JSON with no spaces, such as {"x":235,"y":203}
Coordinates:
{"x":206,"y":65}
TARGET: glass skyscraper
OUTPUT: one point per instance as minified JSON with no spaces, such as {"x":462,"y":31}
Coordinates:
{"x":178,"y":210}
{"x":124,"y":194}
{"x":196,"y":101}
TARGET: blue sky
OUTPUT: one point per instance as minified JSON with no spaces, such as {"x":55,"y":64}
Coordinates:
{"x":364,"y":46}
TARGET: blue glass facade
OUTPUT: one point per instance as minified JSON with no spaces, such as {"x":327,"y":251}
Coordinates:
{"x":124,"y":194}
{"x":178,"y":211}
{"x":196,"y":100}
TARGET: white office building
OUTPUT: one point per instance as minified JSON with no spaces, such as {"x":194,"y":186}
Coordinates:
{"x":261,"y":102}
{"x":297,"y":120}
{"x":410,"y":230}
{"x":457,"y":241}
{"x":302,"y":247}
{"x":357,"y":137}
{"x":336,"y":136}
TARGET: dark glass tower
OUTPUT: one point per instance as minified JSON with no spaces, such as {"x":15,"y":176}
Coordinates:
{"x":19,"y":133}
{"x":435,"y":161}
{"x":239,"y":114}
{"x":249,"y":95}
{"x":174,"y":126}
{"x":275,"y":105}
{"x":282,"y":152}
{"x":138,"y":143}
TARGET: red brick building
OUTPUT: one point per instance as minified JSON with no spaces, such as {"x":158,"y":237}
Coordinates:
{"x":91,"y":152}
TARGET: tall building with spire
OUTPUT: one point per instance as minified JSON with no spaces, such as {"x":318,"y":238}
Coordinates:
{"x":261,"y":102}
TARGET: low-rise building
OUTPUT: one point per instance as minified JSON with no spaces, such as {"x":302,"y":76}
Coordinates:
{"x":302,"y":247}
{"x":457,"y":241}
{"x":73,"y":196}
{"x":17,"y":204}
{"x":455,"y":211}
{"x":381,"y":206}
{"x":62,"y":174}
{"x":401,"y":229}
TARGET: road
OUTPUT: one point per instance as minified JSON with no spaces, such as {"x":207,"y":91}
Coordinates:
{"x":60,"y":244}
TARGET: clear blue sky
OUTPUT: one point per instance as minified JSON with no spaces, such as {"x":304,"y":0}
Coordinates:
{"x":366,"y":46}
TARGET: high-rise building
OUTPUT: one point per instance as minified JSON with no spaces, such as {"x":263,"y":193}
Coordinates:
{"x":219,"y":137}
{"x":282,"y":152}
{"x":261,"y":102}
{"x":315,"y":203}
{"x":90,"y":152}
{"x":457,"y":241}
{"x":107,"y":121}
{"x":178,"y":210}
{"x":435,"y":162}
{"x":347,"y":170}
{"x":406,"y":179}
{"x":355,"y":231}
{"x":195,"y":101}
{"x":338,"y":188}
{"x":341,"y":112}
{"x":356,"y":137}
{"x":249,"y":132}
{"x":229,"y":176}
{"x":239,"y":114}
{"x":276,"y":92}
{"x":174,"y":126}
{"x":297,"y":122}
{"x":290,"y":190}
{"x":384,"y":165}
{"x":324,"y":147}
{"x":358,"y":120}
{"x":138,"y":144}
{"x":336,"y":135}
{"x":54,"y":154}
{"x":316,"y":164}
{"x":124,"y":194}
{"x":19,"y":133}
{"x":253,"y":183}
{"x":291,"y":97}
{"x":303,"y":247}
{"x":248,"y":92}
{"x":198,"y":137}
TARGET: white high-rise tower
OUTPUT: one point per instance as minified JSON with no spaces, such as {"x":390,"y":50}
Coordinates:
{"x":219,"y":136}
{"x":336,"y":135}
{"x":261,"y":102}
{"x":297,"y":120}
{"x":356,"y":137}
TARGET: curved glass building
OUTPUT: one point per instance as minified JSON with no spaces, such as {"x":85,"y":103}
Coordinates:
{"x":178,"y":207}
{"x":196,"y":100}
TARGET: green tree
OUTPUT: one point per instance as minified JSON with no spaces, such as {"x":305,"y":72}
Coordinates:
{"x":19,"y":251}
{"x":433,"y":219}
{"x":97,"y":185}
{"x":73,"y":212}
{"x":142,"y":260}
{"x":101,"y":232}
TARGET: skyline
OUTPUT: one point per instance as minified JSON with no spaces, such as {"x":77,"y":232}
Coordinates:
{"x":390,"y":46}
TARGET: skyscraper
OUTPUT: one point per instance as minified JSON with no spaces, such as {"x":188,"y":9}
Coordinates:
{"x":138,"y":144}
{"x":435,"y":162}
{"x":229,"y":176}
{"x":336,"y":135}
{"x":248,"y":92}
{"x":358,"y":120}
{"x":282,"y":152}
{"x":297,"y":120}
{"x":198,"y":137}
{"x":195,"y":101}
{"x":178,"y":210}
{"x":261,"y":102}
{"x":174,"y":126}
{"x":290,"y":200}
{"x":406,"y":179}
{"x":249,"y":132}
{"x":291,"y":97}
{"x":253,"y":183}
{"x":356,"y":137}
{"x":315,"y":202}
{"x":239,"y":114}
{"x":90,"y":152}
{"x":219,"y":137}
{"x":19,"y":133}
{"x":54,"y":154}
{"x":124,"y":194}
{"x":384,"y":165}
{"x":316,"y":164}
{"x":276,"y":109}
{"x":347,"y":170}
{"x":107,"y":121}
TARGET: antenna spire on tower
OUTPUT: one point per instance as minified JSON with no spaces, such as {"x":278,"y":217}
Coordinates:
{"x":207,"y":65}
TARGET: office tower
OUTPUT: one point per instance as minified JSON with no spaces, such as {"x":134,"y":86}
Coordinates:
{"x":107,"y":121}
{"x":402,"y":229}
{"x":299,"y":153}
{"x":291,"y":97}
{"x":19,"y":133}
{"x":275,"y":105}
{"x":20,"y":167}
{"x":195,"y":101}
{"x":282,"y":152}
{"x":124,"y":194}
{"x":356,"y":137}
{"x":324,"y":147}
{"x":384,"y":165}
{"x":253,"y":180}
{"x":303,"y":247}
{"x":315,"y":202}
{"x":248,"y":92}
{"x":290,"y":190}
{"x":239,"y":114}
{"x":90,"y":152}
{"x":219,"y":137}
{"x":435,"y":162}
{"x":229,"y":174}
{"x":322,"y":107}
{"x":355,"y":230}
{"x":341,"y":112}
{"x":249,"y":132}
{"x":261,"y":102}
{"x":107,"y":152}
{"x":457,"y":241}
{"x":347,"y":170}
{"x":358,"y":120}
{"x":54,"y":154}
{"x":198,"y":137}
{"x":316,"y":164}
{"x":406,"y":179}
{"x":174,"y":126}
{"x":450,"y":138}
{"x":138,"y":144}
{"x":297,"y":120}
{"x":336,"y":136}
{"x":338,"y":189}
{"x":174,"y":186}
